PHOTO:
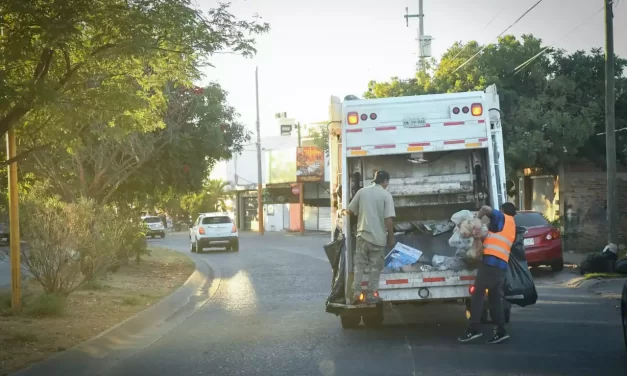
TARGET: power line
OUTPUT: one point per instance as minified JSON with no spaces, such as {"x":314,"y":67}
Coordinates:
{"x":485,"y":27}
{"x":522,"y":66}
{"x":498,"y":36}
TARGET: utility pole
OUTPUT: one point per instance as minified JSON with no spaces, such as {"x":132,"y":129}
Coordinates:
{"x":610,"y":138}
{"x":424,"y":41}
{"x":259,"y":177}
{"x":299,"y":140}
{"x":14,"y":226}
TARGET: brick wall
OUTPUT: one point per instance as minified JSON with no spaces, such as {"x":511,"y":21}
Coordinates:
{"x":584,"y":192}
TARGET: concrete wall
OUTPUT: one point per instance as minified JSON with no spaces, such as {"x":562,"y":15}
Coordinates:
{"x":584,"y":194}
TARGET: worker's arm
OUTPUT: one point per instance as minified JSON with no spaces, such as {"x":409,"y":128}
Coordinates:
{"x":389,"y":213}
{"x":497,"y":218}
{"x":353,"y":207}
{"x":485,"y":211}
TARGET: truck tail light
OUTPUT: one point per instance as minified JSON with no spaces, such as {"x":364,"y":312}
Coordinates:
{"x":234,"y":228}
{"x":456,"y":110}
{"x":352,"y":118}
{"x":373,"y":116}
{"x":476,"y":109}
{"x":201,"y":231}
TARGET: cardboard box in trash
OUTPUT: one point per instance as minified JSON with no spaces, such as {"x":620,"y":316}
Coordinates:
{"x":401,"y":255}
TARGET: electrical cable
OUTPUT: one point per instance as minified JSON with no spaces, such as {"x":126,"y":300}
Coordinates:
{"x":485,"y":27}
{"x":523,"y":65}
{"x":498,"y":36}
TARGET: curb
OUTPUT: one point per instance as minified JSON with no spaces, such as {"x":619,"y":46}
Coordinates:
{"x":134,"y":334}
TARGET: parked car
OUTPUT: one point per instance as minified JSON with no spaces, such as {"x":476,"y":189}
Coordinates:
{"x":213,"y":230}
{"x":154,"y":226}
{"x":623,"y":312}
{"x":543,"y":242}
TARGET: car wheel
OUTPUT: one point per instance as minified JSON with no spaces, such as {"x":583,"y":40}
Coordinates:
{"x":234,"y":246}
{"x":192,"y":246}
{"x":557,"y":265}
{"x":162,"y":235}
{"x":198,"y":248}
{"x":152,"y":236}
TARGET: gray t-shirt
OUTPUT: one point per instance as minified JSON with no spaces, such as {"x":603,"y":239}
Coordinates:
{"x":372,"y":205}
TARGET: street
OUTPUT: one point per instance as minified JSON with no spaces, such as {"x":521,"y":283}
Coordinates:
{"x":267,"y":318}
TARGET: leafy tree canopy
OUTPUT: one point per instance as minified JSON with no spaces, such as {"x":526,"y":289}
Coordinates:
{"x":68,"y":64}
{"x":551,"y":101}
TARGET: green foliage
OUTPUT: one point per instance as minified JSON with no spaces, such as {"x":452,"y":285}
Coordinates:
{"x":212,"y":198}
{"x":551,"y":101}
{"x":66,"y":65}
{"x":320,"y":137}
{"x":46,"y":304}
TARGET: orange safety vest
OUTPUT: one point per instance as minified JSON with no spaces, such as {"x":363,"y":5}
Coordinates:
{"x":499,"y":244}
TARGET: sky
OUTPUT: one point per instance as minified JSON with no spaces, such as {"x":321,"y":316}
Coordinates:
{"x":335,"y":47}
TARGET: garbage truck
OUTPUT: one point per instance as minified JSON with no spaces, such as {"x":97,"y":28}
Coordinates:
{"x":444,"y":154}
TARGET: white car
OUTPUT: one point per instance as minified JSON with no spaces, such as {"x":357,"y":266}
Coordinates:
{"x":213,"y":230}
{"x":154,"y":226}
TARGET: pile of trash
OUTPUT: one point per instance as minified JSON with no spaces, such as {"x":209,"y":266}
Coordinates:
{"x":404,"y":258}
{"x":468,"y":235}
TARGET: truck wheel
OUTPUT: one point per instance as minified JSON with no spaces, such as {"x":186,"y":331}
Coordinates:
{"x":350,"y":322}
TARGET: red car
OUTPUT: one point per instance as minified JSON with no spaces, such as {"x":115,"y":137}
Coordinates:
{"x":543,"y":242}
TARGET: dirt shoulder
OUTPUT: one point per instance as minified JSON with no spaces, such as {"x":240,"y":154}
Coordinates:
{"x":31,"y":336}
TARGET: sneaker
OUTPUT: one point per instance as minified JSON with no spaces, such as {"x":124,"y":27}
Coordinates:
{"x":470,"y":335}
{"x":498,"y":337}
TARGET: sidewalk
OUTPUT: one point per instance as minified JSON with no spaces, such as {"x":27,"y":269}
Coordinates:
{"x":574,"y":258}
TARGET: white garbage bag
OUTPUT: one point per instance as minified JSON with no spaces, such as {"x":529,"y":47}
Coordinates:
{"x":443,"y":263}
{"x":461,"y":216}
{"x":457,"y":241}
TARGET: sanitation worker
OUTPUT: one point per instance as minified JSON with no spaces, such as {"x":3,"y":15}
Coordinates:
{"x":491,"y":273}
{"x":374,"y":208}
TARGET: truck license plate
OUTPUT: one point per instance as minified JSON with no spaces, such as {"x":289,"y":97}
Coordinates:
{"x":529,"y":241}
{"x":414,"y":122}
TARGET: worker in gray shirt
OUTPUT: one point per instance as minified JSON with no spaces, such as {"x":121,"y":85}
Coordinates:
{"x":374,"y":208}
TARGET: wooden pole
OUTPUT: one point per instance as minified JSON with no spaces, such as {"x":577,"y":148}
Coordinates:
{"x":14,"y":223}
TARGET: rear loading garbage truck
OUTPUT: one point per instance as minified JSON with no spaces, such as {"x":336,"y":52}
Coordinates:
{"x":444,"y":154}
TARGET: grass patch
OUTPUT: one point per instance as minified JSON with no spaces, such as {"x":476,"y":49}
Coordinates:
{"x":604,"y":275}
{"x":94,"y":285}
{"x":21,"y":339}
{"x":46,"y":305}
{"x":131,"y":301}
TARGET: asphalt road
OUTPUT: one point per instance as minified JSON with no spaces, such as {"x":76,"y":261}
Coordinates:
{"x":267,"y":318}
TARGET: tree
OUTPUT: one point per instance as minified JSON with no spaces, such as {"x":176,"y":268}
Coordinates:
{"x":211,"y":199}
{"x":108,"y":164}
{"x":320,"y":137}
{"x":548,"y":113}
{"x":68,"y":64}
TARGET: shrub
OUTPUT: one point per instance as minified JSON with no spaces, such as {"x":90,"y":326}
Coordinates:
{"x":46,"y":305}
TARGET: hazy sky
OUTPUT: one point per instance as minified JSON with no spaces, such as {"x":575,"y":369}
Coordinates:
{"x":323,"y":48}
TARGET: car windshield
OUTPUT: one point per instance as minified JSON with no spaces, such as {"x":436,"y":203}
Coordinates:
{"x":215,"y":220}
{"x":152,"y":220}
{"x":531,"y":219}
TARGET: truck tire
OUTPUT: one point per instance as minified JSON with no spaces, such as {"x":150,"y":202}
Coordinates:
{"x":350,"y":322}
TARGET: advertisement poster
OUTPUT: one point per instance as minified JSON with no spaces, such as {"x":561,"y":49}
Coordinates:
{"x":309,"y":164}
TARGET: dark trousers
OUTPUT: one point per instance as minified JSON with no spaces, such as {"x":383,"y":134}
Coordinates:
{"x":491,"y":278}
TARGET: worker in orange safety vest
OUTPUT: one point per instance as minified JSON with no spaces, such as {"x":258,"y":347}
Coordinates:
{"x":491,"y":272}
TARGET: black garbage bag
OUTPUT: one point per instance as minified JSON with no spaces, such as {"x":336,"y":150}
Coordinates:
{"x":337,"y":257}
{"x":603,"y":262}
{"x":621,"y":266}
{"x":519,"y":288}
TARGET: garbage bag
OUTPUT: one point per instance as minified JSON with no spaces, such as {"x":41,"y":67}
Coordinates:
{"x":461,"y":216}
{"x":335,"y":252}
{"x":519,"y":288}
{"x":603,"y":262}
{"x":621,"y":266}
{"x":458,"y":241}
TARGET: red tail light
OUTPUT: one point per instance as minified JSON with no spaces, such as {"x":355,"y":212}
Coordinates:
{"x":471,"y":289}
{"x":234,"y":228}
{"x":201,"y":231}
{"x":553,"y":234}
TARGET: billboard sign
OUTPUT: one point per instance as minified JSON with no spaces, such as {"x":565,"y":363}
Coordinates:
{"x":309,"y":164}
